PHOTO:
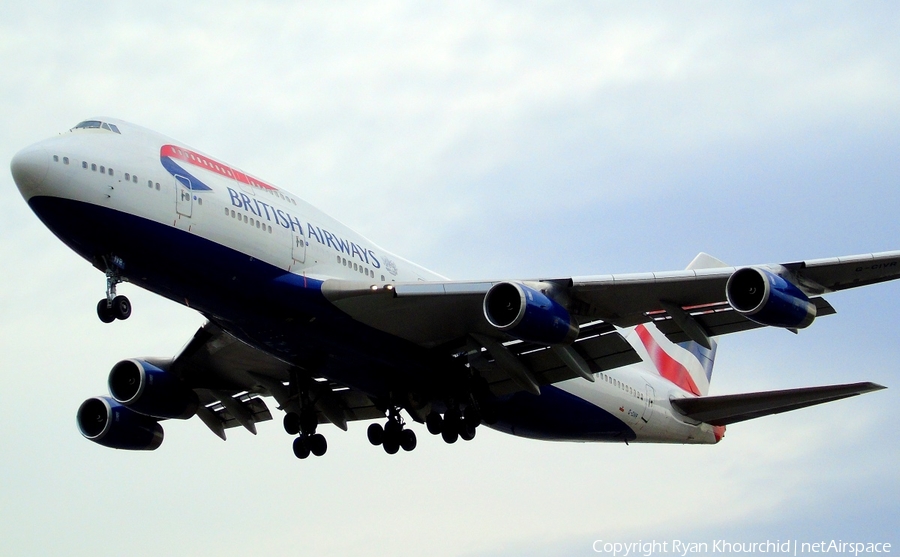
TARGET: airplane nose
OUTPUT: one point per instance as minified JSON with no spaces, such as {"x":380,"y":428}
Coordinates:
{"x":29,"y":168}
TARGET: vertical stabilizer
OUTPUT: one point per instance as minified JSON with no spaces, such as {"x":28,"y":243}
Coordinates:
{"x":689,"y":365}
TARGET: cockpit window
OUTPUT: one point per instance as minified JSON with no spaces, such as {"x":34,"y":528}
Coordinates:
{"x":97,"y":124}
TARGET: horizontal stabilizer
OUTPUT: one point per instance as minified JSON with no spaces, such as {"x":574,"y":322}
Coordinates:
{"x":729,"y":409}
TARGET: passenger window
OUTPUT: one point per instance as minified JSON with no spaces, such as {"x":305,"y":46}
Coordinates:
{"x":157,"y":186}
{"x":65,"y":160}
{"x":84,"y":164}
{"x":55,"y":158}
{"x":102,"y":170}
{"x":149,"y":183}
{"x":134,"y":179}
{"x":127,"y":176}
{"x":94,"y":167}
{"x":110,"y":171}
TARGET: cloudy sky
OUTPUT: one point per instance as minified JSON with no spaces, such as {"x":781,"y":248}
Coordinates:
{"x":482,"y":140}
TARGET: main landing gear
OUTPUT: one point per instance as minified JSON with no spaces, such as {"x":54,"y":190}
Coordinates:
{"x":454,"y":424}
{"x":393,"y":436}
{"x":113,"y":307}
{"x":304,"y":425}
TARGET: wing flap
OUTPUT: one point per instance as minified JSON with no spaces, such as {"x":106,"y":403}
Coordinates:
{"x":729,"y":409}
{"x":720,"y":319}
{"x":601,"y":347}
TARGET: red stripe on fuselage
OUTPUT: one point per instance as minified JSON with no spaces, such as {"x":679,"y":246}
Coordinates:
{"x":196,"y":159}
{"x":668,"y":367}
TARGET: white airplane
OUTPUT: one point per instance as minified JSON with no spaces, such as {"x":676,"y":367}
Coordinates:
{"x":336,"y":329}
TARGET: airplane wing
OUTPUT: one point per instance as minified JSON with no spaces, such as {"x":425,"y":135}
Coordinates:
{"x":234,"y":375}
{"x":684,"y":305}
{"x":435,"y":313}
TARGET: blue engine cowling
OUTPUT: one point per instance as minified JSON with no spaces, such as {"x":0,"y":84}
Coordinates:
{"x":105,"y":421}
{"x":527,"y":314}
{"x":769,"y":299}
{"x":147,"y":389}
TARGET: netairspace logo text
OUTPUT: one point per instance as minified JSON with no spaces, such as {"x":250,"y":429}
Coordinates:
{"x":726,"y":547}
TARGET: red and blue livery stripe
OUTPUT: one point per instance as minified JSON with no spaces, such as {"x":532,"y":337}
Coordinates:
{"x":169,"y":154}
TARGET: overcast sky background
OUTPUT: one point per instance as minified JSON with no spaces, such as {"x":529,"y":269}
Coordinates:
{"x":482,"y":140}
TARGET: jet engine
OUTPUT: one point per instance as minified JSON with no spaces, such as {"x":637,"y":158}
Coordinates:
{"x":769,"y":299}
{"x":528,"y":314}
{"x":105,"y":421}
{"x":151,"y":391}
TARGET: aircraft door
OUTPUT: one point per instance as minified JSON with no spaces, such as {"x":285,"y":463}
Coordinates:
{"x":649,"y":393}
{"x":298,"y":249}
{"x":184,"y":201}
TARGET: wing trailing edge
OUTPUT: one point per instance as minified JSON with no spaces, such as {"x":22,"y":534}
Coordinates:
{"x":729,"y":409}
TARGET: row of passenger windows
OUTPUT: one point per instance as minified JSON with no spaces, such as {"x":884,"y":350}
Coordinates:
{"x":357,"y":267}
{"x":248,"y":220}
{"x":277,"y":193}
{"x":104,"y":170}
{"x":616,"y":383}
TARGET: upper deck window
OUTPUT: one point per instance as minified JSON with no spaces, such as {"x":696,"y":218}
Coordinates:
{"x":97,"y":124}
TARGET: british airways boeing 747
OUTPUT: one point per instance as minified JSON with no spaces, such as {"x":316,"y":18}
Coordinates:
{"x":335,"y":328}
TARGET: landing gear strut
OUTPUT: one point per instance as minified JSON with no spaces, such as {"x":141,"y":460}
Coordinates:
{"x":113,"y":307}
{"x":393,"y":436}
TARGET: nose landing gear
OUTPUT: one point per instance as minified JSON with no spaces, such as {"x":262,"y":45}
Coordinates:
{"x":113,"y":307}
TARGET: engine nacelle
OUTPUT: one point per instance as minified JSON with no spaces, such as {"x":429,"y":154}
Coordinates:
{"x":769,"y":299}
{"x":149,"y":390}
{"x":105,"y":421}
{"x":527,"y":314}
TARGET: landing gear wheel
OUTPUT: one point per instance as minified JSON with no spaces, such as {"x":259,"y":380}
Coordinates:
{"x":434,"y":422}
{"x":450,"y":433}
{"x":104,"y":312}
{"x":390,"y":445}
{"x":292,"y":423}
{"x":375,"y":433}
{"x":466,"y":432}
{"x":308,"y":422}
{"x":301,"y":449}
{"x":407,"y":440}
{"x":317,"y":444}
{"x":121,"y":307}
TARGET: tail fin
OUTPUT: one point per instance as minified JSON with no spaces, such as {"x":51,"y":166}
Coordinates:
{"x":687,"y":364}
{"x":706,"y":356}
